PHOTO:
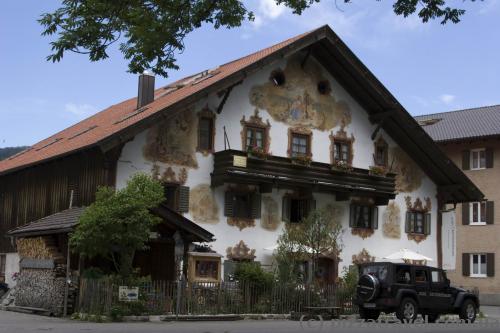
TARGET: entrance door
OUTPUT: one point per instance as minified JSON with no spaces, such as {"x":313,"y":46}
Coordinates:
{"x":326,"y":271}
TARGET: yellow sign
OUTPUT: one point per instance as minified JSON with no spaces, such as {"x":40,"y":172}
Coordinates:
{"x":240,"y":161}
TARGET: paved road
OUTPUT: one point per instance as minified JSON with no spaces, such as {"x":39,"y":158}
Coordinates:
{"x":11,"y":322}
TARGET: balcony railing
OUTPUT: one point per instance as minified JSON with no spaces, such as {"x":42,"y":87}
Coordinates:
{"x":233,"y":166}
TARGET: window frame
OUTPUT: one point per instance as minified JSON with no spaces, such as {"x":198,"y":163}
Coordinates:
{"x":342,"y":143}
{"x":308,"y":202}
{"x":480,"y":274}
{"x":206,"y":261}
{"x":414,"y":215}
{"x":371,"y":213}
{"x":307,"y":137}
{"x":471,"y":161}
{"x":208,"y":115}
{"x":480,"y":211}
{"x":381,"y":144}
{"x":255,"y":128}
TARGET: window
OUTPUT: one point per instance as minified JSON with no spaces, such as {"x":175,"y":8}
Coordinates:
{"x":300,"y":145}
{"x":478,"y":159}
{"x":342,"y":151}
{"x":207,"y":269}
{"x":242,"y":205}
{"x":437,"y":276}
{"x":295,"y":209}
{"x":478,"y":265}
{"x":418,"y":223}
{"x":381,"y":152}
{"x":420,"y":276}
{"x":255,"y":137}
{"x":478,"y":213}
{"x":403,"y":275}
{"x":363,"y":216}
{"x":206,"y":133}
{"x":176,"y":197}
{"x":2,"y":267}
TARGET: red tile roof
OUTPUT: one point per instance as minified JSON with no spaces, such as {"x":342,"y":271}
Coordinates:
{"x":112,"y":120}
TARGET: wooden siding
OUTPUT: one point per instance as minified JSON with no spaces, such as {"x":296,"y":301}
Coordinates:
{"x":42,"y":190}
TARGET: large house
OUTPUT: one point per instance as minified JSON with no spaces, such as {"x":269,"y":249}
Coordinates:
{"x":470,"y":138}
{"x":248,"y":146}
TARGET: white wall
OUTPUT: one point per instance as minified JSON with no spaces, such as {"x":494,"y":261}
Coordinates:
{"x":257,"y":237}
{"x":11,"y":267}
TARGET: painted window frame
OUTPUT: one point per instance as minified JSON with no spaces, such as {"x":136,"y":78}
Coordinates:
{"x":308,"y":140}
{"x":255,"y":128}
{"x":478,"y":151}
{"x":480,"y":212}
{"x":480,"y":273}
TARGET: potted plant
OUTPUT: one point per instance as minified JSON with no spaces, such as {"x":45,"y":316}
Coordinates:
{"x":256,"y":152}
{"x":378,"y":170}
{"x":341,"y":166}
{"x":301,"y":159}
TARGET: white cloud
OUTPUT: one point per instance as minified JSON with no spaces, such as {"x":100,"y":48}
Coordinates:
{"x":80,"y":110}
{"x":269,"y":9}
{"x":447,"y":98}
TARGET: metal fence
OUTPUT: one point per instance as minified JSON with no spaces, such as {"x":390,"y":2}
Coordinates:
{"x":179,"y":297}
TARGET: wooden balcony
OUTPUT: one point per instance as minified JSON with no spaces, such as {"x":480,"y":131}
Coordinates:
{"x":233,"y":166}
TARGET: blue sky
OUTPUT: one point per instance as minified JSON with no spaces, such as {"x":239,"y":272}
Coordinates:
{"x":428,"y":67}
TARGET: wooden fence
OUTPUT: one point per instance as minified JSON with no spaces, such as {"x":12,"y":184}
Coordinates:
{"x":179,"y":297}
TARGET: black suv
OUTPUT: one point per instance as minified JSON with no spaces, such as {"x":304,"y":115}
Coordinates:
{"x":410,"y":290}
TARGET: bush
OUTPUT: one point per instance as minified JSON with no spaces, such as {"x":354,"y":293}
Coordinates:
{"x":252,"y":272}
{"x":92,"y":273}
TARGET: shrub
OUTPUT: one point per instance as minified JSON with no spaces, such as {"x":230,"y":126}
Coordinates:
{"x":252,"y":272}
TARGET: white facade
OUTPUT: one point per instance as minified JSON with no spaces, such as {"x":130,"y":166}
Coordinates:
{"x":132,"y":160}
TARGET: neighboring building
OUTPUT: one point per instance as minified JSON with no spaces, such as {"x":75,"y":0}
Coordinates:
{"x":245,"y":146}
{"x":471,"y":139}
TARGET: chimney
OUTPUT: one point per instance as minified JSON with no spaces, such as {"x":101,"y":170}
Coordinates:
{"x":146,"y":89}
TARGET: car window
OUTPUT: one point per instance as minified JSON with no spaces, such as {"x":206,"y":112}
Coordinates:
{"x":379,"y":271}
{"x":436,"y":277}
{"x":403,"y":275}
{"x":420,"y":276}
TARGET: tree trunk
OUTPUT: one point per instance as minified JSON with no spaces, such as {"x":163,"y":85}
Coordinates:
{"x":126,"y":260}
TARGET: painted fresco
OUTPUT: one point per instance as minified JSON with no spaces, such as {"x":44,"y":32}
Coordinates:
{"x":298,"y":102}
{"x":270,"y":217}
{"x":362,"y":257}
{"x":202,"y":204}
{"x":240,"y":251}
{"x":392,"y":221}
{"x":408,"y":174}
{"x":177,"y":145}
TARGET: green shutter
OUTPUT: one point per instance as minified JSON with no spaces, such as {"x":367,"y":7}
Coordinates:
{"x":427,"y":224}
{"x":183,"y":199}
{"x":465,"y":213}
{"x":374,"y":217}
{"x":466,"y":160}
{"x":256,"y":205}
{"x":489,"y":157}
{"x":466,"y":264}
{"x":490,"y":212}
{"x":285,"y":209}
{"x":228,"y":204}
{"x":490,"y":264}
{"x":407,"y":222}
{"x":352,"y":216}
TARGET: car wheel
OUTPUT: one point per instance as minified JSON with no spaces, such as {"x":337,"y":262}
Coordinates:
{"x":368,"y":314}
{"x":468,"y":311}
{"x":407,"y":311}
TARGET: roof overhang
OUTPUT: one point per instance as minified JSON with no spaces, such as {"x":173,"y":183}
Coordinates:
{"x":356,"y":78}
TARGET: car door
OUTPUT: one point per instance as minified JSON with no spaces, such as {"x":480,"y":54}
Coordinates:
{"x":440,"y":295}
{"x":421,"y":278}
